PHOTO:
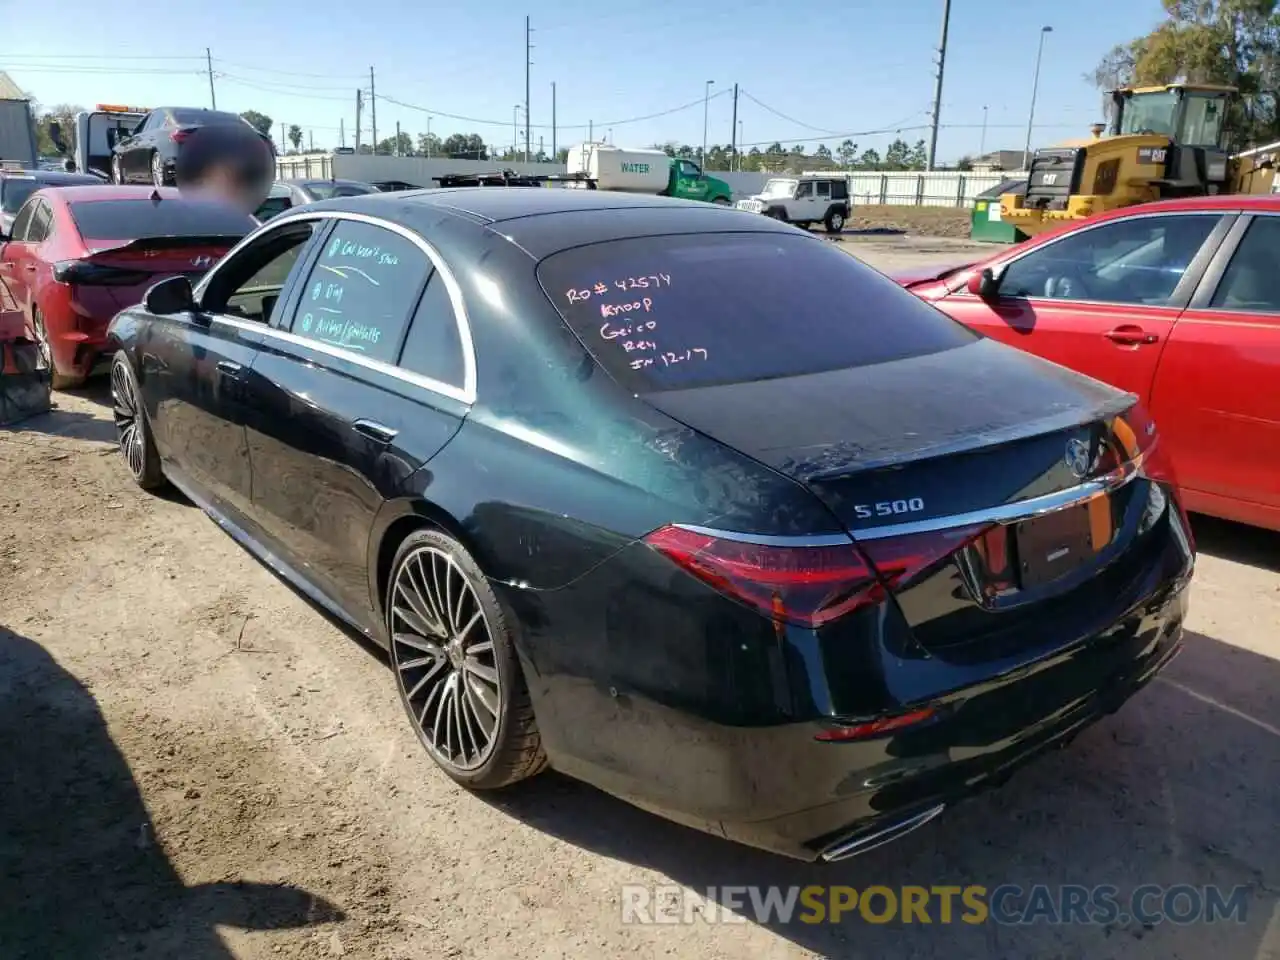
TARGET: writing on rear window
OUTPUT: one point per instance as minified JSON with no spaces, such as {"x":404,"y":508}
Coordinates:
{"x":649,"y":281}
{"x":642,"y":337}
{"x":683,"y":311}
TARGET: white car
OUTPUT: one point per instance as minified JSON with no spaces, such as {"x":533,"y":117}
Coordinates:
{"x":803,"y":201}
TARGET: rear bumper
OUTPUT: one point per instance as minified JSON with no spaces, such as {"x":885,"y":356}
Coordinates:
{"x":981,"y":739}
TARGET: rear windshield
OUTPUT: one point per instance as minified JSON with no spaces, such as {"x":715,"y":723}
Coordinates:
{"x":185,"y":115}
{"x":328,"y":189}
{"x":134,"y":219}
{"x":668,"y":313}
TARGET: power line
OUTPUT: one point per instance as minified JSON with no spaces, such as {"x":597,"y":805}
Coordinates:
{"x":241,"y":81}
{"x":783,"y":116}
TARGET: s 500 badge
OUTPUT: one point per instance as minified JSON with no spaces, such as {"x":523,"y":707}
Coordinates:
{"x":888,"y":508}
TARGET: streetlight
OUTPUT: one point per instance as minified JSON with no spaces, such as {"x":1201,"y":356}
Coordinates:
{"x":982,"y":144}
{"x":1035,"y":85}
{"x":706,"y":102}
{"x":428,"y":137}
{"x":515,"y":129}
{"x":741,"y":144}
{"x":608,"y":137}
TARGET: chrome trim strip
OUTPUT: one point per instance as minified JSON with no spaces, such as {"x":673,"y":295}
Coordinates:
{"x":885,"y":835}
{"x":1010,"y":512}
{"x":388,"y":369}
{"x":465,"y":394}
{"x":1003,"y":514}
{"x":821,"y":540}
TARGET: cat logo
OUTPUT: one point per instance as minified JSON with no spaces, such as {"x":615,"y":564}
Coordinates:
{"x":1049,"y":179}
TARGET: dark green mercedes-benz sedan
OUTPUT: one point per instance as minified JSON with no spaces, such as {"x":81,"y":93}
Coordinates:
{"x":675,"y":499}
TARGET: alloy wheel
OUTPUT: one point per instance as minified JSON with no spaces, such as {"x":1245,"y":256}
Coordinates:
{"x":117,"y":171}
{"x":837,"y":222}
{"x":128,"y":419}
{"x":444,"y":658}
{"x":42,"y":343}
{"x":157,"y":170}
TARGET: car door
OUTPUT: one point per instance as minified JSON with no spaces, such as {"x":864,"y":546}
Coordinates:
{"x":135,"y":152}
{"x":14,"y":257}
{"x":690,"y":182}
{"x":821,"y":199}
{"x":1216,"y":397}
{"x":337,"y":426}
{"x":195,"y":367}
{"x":1101,"y":300}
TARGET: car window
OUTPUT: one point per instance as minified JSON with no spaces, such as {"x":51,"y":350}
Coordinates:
{"x":154,"y":121}
{"x":669,"y":312}
{"x":804,"y":190}
{"x":433,"y":347}
{"x":689,"y":169}
{"x":1139,"y":260}
{"x":1252,"y":279}
{"x":14,"y":192}
{"x":40,"y":226}
{"x":362,"y":290}
{"x":186,"y":116}
{"x":824,"y":190}
{"x":272,"y":207}
{"x":22,"y":221}
{"x":248,"y":285}
{"x":840,"y":190}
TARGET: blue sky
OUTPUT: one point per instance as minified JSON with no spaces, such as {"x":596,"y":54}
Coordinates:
{"x":865,"y":65}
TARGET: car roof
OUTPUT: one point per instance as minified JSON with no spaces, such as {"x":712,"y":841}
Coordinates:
{"x":308,"y":181}
{"x":1225,"y":202}
{"x":543,"y":221}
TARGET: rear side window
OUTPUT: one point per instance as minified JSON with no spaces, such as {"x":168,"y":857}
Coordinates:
{"x":362,"y":290}
{"x":839,"y":190}
{"x":433,"y":348}
{"x":664,"y":313}
{"x":15,"y":190}
{"x":41,"y":221}
{"x":135,"y":219}
{"x":185,"y":115}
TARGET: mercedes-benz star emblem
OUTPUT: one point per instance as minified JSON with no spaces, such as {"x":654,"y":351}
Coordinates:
{"x":1078,"y":458}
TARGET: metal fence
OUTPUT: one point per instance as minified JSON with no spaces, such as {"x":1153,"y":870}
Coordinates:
{"x":935,"y":189}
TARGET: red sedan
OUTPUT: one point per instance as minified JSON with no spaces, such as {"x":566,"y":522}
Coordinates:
{"x":1177,"y":302}
{"x":78,"y":255}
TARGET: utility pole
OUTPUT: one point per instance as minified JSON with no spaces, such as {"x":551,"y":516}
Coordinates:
{"x":733,"y":152}
{"x":937,"y":89}
{"x":428,"y":136}
{"x":342,"y":132}
{"x":742,"y":142}
{"x":540,"y":153}
{"x":982,"y":143}
{"x":311,"y":138}
{"x":515,"y":131}
{"x":373,"y":111}
{"x":528,"y":63}
{"x":208,"y":60}
{"x":591,"y":131}
{"x":359,"y":110}
{"x":554,"y":152}
{"x":1035,"y":88}
{"x":706,"y":103}
{"x":397,"y":150}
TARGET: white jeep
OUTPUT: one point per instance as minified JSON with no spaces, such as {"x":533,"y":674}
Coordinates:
{"x":803,"y":201}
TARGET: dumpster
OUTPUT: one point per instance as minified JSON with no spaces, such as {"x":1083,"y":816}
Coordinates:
{"x":986,"y":225}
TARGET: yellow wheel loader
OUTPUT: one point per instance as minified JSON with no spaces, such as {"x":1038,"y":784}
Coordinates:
{"x":1164,"y":141}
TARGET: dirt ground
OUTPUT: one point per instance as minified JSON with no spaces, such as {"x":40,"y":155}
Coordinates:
{"x":196,"y":764}
{"x":922,"y":221}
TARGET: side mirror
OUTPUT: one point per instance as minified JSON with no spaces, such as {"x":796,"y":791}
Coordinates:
{"x":55,"y":136}
{"x":170,"y":296}
{"x":984,"y":284}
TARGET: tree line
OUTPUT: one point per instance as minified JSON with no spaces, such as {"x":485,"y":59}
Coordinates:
{"x":1230,"y":42}
{"x":776,"y":158}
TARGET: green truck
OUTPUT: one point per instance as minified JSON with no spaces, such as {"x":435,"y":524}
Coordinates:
{"x":607,"y":167}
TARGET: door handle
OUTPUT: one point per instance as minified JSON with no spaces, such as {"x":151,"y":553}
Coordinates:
{"x":1130,"y":335}
{"x":230,"y":368}
{"x":375,"y":431}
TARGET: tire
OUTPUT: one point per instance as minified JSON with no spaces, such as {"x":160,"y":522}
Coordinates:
{"x":57,"y":380}
{"x":117,"y":170}
{"x":157,"y":169}
{"x":721,"y":201}
{"x":835,"y":220}
{"x":133,"y":432}
{"x":434,"y":651}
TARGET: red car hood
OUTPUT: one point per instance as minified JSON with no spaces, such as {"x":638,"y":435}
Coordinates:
{"x":914,"y":275}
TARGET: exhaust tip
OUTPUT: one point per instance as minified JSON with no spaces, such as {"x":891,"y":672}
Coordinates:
{"x":845,"y":849}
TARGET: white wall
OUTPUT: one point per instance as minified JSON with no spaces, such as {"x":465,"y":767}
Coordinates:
{"x":416,"y":170}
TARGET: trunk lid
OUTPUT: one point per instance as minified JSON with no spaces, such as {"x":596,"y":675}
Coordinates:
{"x":112,"y":276}
{"x":917,"y":458}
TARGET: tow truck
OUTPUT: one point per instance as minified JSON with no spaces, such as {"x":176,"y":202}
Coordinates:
{"x":96,"y":133}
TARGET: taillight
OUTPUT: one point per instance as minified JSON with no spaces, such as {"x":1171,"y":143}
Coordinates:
{"x":875,"y":728}
{"x":802,"y":584}
{"x":177,"y":136}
